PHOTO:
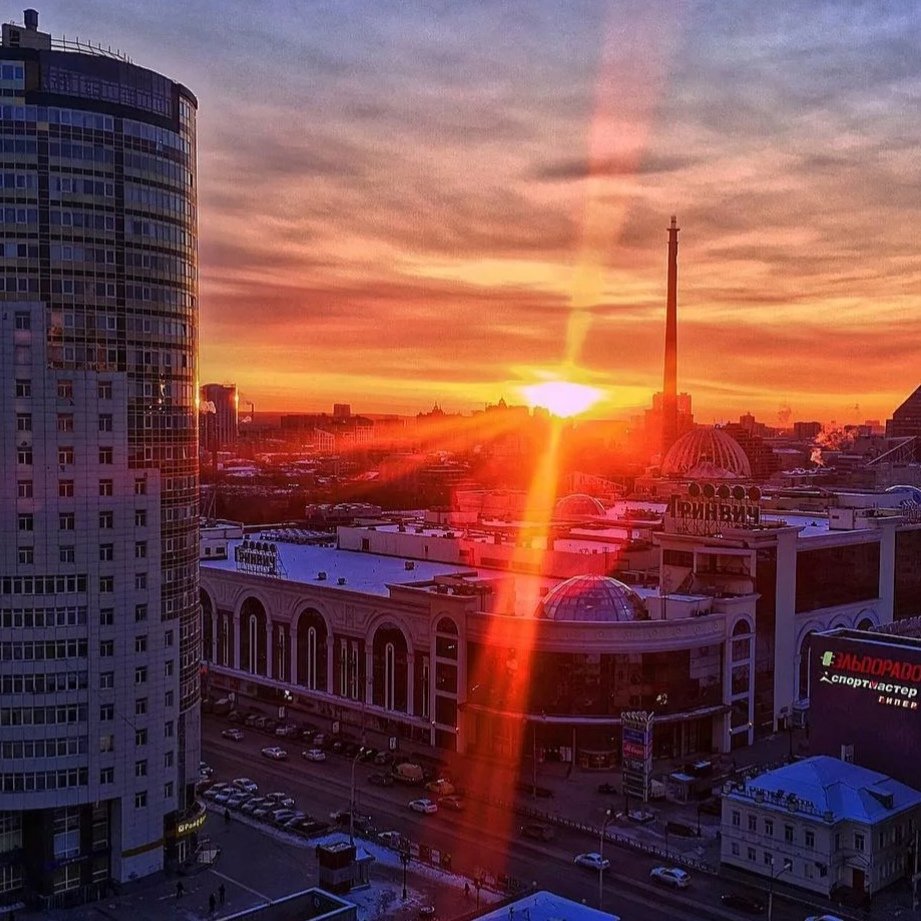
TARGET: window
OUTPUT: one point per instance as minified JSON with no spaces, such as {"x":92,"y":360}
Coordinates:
{"x":66,"y":521}
{"x":140,"y":613}
{"x":66,"y":489}
{"x":65,"y":390}
{"x":168,"y":729}
{"x":140,"y":487}
{"x":107,"y":743}
{"x":736,"y":818}
{"x":140,"y":518}
{"x":106,"y":520}
{"x":140,"y":644}
{"x":140,"y":549}
{"x":25,"y":522}
{"x":24,"y":456}
{"x":140,"y":737}
{"x":107,"y":775}
{"x":25,"y":555}
{"x":106,"y":617}
{"x":751,"y":854}
{"x":107,"y":648}
{"x":106,"y":584}
{"x":810,"y":839}
{"x":65,"y":422}
{"x":168,"y":699}
{"x":140,"y":706}
{"x":105,"y":422}
{"x":23,"y":422}
{"x":104,"y":390}
{"x":788,"y":834}
{"x":107,"y":712}
{"x":105,"y":455}
{"x":769,"y":827}
{"x":140,"y":675}
{"x":859,"y":841}
{"x":23,"y":320}
{"x":106,"y":553}
{"x":23,"y":388}
{"x":768,"y":859}
{"x":67,"y":554}
{"x":168,"y":789}
{"x":140,"y":799}
{"x":168,"y":638}
{"x":140,"y":768}
{"x":105,"y":488}
{"x":168,"y":668}
{"x":106,"y":680}
{"x":65,"y":456}
{"x":140,"y":580}
{"x":753,"y":823}
{"x":24,"y":489}
{"x":734,"y":848}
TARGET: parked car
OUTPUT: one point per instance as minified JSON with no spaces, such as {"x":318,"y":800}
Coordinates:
{"x":391,"y":839}
{"x":453,"y":802}
{"x":245,"y":784}
{"x":307,"y":827}
{"x":251,"y":718}
{"x":592,"y":860}
{"x":308,"y":735}
{"x":233,"y":733}
{"x":671,"y":876}
{"x":223,"y":797}
{"x":538,"y":831}
{"x":440,"y":787}
{"x":743,"y":902}
{"x":215,"y":789}
{"x":235,"y":716}
{"x":641,"y":816}
{"x":236,"y":800}
{"x":425,"y":806}
{"x":382,"y":758}
{"x":275,"y":753}
{"x":280,"y":816}
{"x":314,"y":754}
{"x":204,"y":769}
{"x":282,"y":799}
{"x":249,"y":807}
{"x":608,"y":788}
{"x":286,"y":731}
{"x":409,"y":773}
{"x":361,"y":823}
{"x":381,"y":780}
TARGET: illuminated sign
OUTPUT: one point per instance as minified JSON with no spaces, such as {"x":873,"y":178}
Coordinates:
{"x":894,"y":682}
{"x":185,"y":828}
{"x":257,"y":556}
{"x":706,"y":508}
{"x":636,"y":752}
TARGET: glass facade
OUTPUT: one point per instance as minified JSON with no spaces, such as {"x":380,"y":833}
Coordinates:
{"x":836,"y":575}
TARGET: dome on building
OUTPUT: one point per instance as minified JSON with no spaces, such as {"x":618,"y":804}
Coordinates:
{"x":706,"y":453}
{"x":592,"y":599}
{"x":578,"y":505}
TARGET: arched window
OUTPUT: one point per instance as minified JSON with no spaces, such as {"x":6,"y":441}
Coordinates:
{"x":253,"y":629}
{"x":805,"y":651}
{"x":389,"y":676}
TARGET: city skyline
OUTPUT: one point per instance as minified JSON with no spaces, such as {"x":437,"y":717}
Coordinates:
{"x":452,"y":204}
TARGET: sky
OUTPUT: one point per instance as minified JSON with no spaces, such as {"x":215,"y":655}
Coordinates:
{"x":406,"y":202}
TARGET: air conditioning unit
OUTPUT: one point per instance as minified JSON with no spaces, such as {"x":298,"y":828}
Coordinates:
{"x":321,"y":576}
{"x":340,"y":580}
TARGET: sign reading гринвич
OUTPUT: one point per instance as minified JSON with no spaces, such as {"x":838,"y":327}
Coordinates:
{"x":707,"y":509}
{"x":894,"y":682}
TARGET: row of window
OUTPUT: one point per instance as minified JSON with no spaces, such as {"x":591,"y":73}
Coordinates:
{"x":43,"y":780}
{"x":61,"y":616}
{"x":42,"y":650}
{"x":55,"y":116}
{"x":44,"y":683}
{"x":71,"y":150}
{"x":43,"y":716}
{"x":44,"y":748}
{"x":808,"y":868}
{"x":65,"y":389}
{"x":107,"y":647}
{"x":42,"y":585}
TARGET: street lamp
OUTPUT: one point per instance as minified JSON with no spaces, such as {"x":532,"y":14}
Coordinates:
{"x":358,"y":754}
{"x":787,"y":865}
{"x":404,"y":859}
{"x":608,"y":817}
{"x":478,"y":885}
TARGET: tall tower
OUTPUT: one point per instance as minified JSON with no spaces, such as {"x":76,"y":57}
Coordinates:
{"x":99,"y":602}
{"x":670,"y":388}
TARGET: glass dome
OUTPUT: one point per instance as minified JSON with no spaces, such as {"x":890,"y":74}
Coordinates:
{"x":578,"y":505}
{"x":592,"y":599}
{"x":706,"y":453}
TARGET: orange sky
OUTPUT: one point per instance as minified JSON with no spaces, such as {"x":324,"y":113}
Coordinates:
{"x":400,"y":205}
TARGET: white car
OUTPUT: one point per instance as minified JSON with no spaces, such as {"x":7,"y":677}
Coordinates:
{"x":593,"y":861}
{"x":246,"y":785}
{"x":314,"y":754}
{"x":233,"y":733}
{"x":205,"y":770}
{"x":275,"y":753}
{"x":671,"y":876}
{"x":425,"y":806}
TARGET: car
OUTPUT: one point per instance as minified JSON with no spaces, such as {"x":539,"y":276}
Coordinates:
{"x":391,"y":839}
{"x":538,"y":831}
{"x":425,"y":806}
{"x":250,"y":806}
{"x":284,"y":800}
{"x":608,"y":788}
{"x":245,"y":784}
{"x":275,"y":753}
{"x":286,"y":731}
{"x":314,"y":754}
{"x":308,"y":734}
{"x":440,"y":787}
{"x":215,"y":789}
{"x":671,"y":876}
{"x":380,"y":780}
{"x":592,"y":860}
{"x":233,"y":733}
{"x":251,"y":718}
{"x":743,"y":902}
{"x":264,"y":809}
{"x":224,"y":796}
{"x":204,"y":769}
{"x":824,"y":918}
{"x":321,"y":740}
{"x":453,"y":802}
{"x":307,"y":827}
{"x":427,"y":913}
{"x":367,"y":753}
{"x":383,"y":758}
{"x":235,"y":716}
{"x":641,"y":816}
{"x":280,"y":816}
{"x":236,"y":800}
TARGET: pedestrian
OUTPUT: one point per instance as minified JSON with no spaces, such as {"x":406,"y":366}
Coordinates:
{"x":220,"y":893}
{"x":212,"y":903}
{"x":180,"y":890}
{"x":467,"y":890}
{"x":226,"y":816}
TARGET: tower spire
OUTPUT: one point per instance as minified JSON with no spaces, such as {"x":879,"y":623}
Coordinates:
{"x":670,"y":386}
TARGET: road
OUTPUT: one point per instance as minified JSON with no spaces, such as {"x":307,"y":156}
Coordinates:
{"x":481,"y":837}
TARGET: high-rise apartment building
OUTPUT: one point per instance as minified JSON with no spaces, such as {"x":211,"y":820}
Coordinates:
{"x":219,"y":416}
{"x":99,"y":634}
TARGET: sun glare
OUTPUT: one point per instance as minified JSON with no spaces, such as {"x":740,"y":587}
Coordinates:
{"x":562,"y":398}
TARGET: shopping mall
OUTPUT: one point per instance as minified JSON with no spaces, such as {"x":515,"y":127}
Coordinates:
{"x":496,"y":638}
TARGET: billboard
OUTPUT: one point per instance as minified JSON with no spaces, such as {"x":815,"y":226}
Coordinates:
{"x":636,"y":748}
{"x":865,"y":699}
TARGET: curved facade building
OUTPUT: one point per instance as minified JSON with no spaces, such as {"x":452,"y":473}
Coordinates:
{"x":99,"y":632}
{"x":706,"y":453}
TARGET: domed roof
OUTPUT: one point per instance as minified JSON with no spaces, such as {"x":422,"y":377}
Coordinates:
{"x":708,"y":453}
{"x":592,"y":599}
{"x":578,"y":505}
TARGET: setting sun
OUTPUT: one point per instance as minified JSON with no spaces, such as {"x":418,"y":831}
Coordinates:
{"x":562,"y":398}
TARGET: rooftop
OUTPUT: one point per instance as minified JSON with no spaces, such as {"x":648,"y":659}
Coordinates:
{"x":546,"y":906}
{"x":832,"y":790}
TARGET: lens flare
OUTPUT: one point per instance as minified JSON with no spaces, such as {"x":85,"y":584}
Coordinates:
{"x":562,"y":398}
